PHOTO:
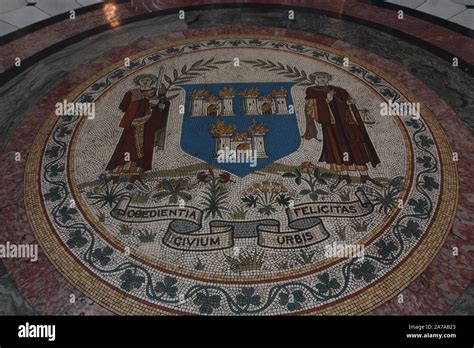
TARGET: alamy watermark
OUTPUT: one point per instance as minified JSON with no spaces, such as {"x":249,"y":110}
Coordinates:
{"x":75,"y":109}
{"x":237,"y":156}
{"x":19,"y":251}
{"x":37,"y":331}
{"x":342,"y":250}
{"x":400,"y":109}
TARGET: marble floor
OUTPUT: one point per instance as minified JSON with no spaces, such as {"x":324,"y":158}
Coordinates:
{"x":133,"y":211}
{"x":17,"y":14}
{"x":460,"y":12}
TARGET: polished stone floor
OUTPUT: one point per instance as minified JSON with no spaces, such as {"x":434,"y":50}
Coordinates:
{"x":16,"y":14}
{"x":405,"y":56}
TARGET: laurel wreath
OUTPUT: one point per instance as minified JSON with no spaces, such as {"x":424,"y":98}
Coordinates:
{"x":299,"y":76}
{"x":187,"y":74}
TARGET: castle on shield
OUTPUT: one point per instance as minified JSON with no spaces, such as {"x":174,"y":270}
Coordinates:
{"x":205,"y":104}
{"x":226,"y":138}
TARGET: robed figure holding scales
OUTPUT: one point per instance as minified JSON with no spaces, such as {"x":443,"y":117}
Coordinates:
{"x":133,"y":154}
{"x":346,"y":144}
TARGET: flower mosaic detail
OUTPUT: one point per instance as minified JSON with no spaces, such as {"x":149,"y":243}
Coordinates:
{"x":267,"y":196}
{"x":215,"y":195}
{"x":314,"y":178}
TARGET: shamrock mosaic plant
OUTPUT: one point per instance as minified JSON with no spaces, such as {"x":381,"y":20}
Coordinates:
{"x":207,"y":303}
{"x":293,"y":300}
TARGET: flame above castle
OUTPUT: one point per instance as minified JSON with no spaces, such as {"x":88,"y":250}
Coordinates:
{"x":220,"y":128}
{"x":199,"y":93}
{"x":205,"y":104}
{"x":279,"y":92}
{"x":250,"y":92}
{"x":227,"y":92}
{"x":257,"y":128}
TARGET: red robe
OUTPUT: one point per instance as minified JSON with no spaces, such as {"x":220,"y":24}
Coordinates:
{"x":137,"y":140}
{"x":342,"y":126}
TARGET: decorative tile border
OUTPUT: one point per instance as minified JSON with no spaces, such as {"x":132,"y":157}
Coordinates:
{"x":410,"y":267}
{"x":419,"y":87}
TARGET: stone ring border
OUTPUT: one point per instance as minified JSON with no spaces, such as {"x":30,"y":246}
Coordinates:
{"x":366,"y":300}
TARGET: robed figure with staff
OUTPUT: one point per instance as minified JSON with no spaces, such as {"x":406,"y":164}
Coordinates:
{"x":346,"y":144}
{"x":133,"y":153}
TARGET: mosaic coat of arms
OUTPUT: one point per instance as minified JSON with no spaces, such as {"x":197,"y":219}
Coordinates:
{"x":241,"y":176}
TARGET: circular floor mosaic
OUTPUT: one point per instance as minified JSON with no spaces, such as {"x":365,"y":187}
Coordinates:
{"x":241,"y":176}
